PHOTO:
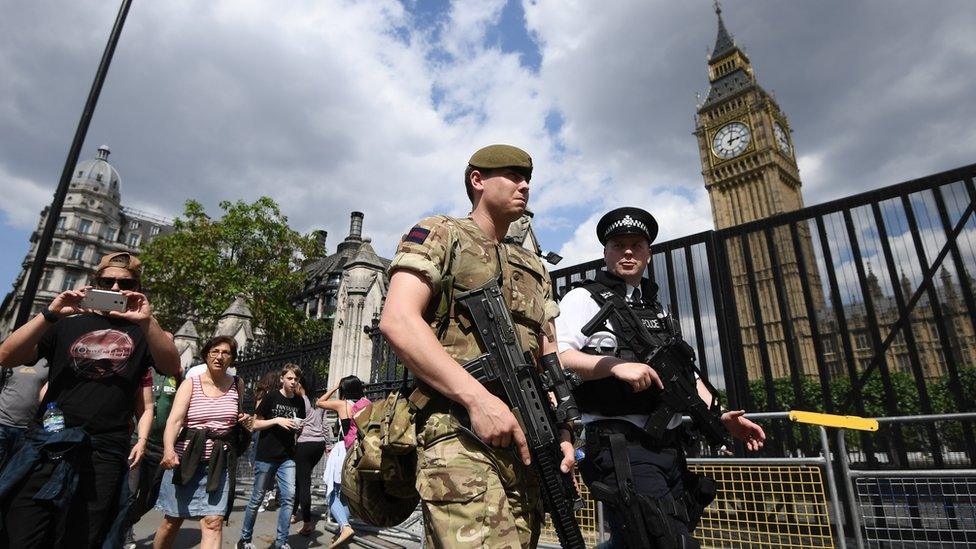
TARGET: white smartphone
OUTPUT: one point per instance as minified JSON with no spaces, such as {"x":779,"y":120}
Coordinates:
{"x":102,"y":300}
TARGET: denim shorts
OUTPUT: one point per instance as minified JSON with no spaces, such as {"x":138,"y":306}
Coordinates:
{"x":191,"y":500}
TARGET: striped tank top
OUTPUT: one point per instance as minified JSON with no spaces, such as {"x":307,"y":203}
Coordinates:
{"x":216,"y":414}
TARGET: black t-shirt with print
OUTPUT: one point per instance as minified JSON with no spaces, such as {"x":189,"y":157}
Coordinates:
{"x":96,"y":365}
{"x":277,"y":443}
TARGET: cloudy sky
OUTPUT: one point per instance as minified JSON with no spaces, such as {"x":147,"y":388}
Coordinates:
{"x":330,"y":106}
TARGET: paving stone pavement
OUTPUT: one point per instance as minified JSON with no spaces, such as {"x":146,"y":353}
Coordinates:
{"x":264,"y":532}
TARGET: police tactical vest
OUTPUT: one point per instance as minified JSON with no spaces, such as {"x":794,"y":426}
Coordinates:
{"x":610,"y":396}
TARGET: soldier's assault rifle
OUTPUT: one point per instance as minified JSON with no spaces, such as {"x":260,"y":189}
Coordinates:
{"x":674,"y":361}
{"x":511,"y":374}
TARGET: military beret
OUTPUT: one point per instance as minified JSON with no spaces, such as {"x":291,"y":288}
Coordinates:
{"x":502,"y":156}
{"x":626,"y":221}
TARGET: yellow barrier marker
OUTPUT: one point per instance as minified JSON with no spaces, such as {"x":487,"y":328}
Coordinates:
{"x":832,"y":420}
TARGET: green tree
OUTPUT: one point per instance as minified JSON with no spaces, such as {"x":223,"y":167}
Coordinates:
{"x":810,"y":399}
{"x":784,"y":395}
{"x":944,"y":402}
{"x":917,"y":437}
{"x":197,"y":271}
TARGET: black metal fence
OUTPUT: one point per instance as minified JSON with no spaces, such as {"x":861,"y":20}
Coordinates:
{"x":386,"y":371}
{"x":861,"y":305}
{"x":311,"y":356}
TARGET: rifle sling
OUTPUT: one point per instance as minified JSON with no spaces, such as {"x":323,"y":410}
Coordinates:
{"x":621,"y":467}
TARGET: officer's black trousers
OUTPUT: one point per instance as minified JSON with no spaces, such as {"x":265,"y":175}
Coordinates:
{"x":656,"y":472}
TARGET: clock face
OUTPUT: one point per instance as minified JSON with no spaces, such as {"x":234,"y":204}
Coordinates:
{"x":731,"y":140}
{"x":781,"y":139}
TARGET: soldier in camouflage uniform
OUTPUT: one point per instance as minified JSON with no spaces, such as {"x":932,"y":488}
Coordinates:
{"x":472,"y":473}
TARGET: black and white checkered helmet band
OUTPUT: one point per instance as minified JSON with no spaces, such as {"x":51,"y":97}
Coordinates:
{"x":628,"y":222}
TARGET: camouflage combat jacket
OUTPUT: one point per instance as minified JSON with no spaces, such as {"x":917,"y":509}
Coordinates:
{"x":455,"y":255}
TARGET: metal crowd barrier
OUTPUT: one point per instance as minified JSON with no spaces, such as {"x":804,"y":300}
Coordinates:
{"x":794,"y":501}
{"x":933,"y":508}
{"x":909,"y":508}
{"x":762,"y":502}
{"x":766,"y":503}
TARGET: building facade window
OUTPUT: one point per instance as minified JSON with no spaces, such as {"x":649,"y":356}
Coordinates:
{"x":55,"y":249}
{"x":46,"y":280}
{"x":70,"y":282}
{"x":84,"y":226}
{"x":108,"y":233}
{"x":154,"y":231}
{"x":61,"y":221}
{"x":78,"y":252}
{"x":134,"y":240}
{"x":828,"y":345}
{"x":134,"y":225}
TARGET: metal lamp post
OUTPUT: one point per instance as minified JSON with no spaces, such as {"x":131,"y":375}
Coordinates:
{"x":44,"y":244}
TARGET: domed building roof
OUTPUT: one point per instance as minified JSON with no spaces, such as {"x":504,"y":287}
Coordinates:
{"x":97,"y":171}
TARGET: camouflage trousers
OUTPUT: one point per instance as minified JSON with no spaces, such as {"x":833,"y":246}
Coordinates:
{"x":472,"y":495}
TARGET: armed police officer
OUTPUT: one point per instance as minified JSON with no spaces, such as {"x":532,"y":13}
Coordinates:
{"x":475,"y":490}
{"x":636,"y":467}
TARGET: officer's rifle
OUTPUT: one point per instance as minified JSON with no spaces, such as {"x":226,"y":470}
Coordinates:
{"x":673,"y":361}
{"x":510,"y":373}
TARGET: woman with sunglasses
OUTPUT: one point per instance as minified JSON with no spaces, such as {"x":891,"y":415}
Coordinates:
{"x":199,"y":461}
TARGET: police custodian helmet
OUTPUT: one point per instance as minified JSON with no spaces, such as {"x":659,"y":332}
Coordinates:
{"x":626,"y":221}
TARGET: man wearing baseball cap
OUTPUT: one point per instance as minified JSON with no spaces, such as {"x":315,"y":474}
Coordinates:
{"x":475,"y":491}
{"x":652,"y":499}
{"x":97,"y":360}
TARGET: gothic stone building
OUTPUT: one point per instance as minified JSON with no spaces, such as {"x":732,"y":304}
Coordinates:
{"x":93,"y":222}
{"x":349,"y":287}
{"x":923,"y":325}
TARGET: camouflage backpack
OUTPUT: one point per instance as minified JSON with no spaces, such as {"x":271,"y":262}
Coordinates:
{"x":379,"y":475}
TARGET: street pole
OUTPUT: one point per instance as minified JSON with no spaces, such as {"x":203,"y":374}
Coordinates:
{"x":54,"y":212}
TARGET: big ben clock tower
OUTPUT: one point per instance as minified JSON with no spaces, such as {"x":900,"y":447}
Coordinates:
{"x":749,"y":167}
{"x":744,"y":140}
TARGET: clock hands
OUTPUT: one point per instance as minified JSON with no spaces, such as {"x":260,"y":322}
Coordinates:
{"x":731,"y":140}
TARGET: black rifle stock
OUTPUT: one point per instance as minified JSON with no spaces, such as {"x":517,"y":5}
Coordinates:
{"x":510,"y":373}
{"x":671,"y":361}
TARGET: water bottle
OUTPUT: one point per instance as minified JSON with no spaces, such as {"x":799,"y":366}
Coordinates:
{"x":53,"y":418}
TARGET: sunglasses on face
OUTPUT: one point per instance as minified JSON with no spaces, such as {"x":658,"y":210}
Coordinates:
{"x":107,"y":282}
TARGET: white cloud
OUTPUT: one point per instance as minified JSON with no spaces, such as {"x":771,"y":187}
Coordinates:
{"x":671,"y":210}
{"x":331,"y":106}
{"x":22,"y":200}
{"x":325,"y":106}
